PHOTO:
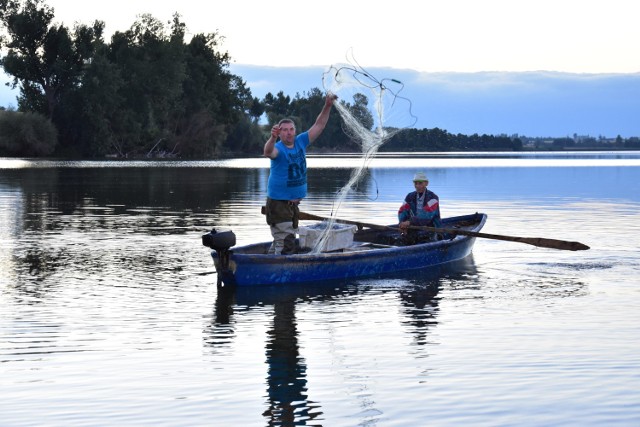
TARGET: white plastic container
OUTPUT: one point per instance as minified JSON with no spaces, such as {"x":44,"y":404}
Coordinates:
{"x":340,"y":236}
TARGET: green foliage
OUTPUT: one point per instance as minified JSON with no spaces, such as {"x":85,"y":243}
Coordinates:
{"x":145,"y":70}
{"x":440,"y":140}
{"x":256,"y":109}
{"x":146,"y":93}
{"x":26,"y":134}
{"x":278,"y":107}
{"x":92,"y":119}
{"x":45,"y":60}
{"x":632,"y":143}
{"x":245,"y":138}
{"x":304,"y":109}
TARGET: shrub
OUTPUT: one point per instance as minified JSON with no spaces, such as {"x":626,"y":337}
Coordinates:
{"x":26,"y":134}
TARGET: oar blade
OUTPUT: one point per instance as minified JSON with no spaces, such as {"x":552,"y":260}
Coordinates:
{"x":560,"y":244}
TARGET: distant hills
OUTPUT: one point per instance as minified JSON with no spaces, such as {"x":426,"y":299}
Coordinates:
{"x":535,"y":104}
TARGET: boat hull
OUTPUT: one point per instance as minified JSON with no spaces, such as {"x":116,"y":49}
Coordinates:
{"x":250,"y":266}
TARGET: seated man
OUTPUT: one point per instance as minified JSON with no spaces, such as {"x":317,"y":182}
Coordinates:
{"x":420,"y":208}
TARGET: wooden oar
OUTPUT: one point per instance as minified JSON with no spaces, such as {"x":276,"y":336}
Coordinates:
{"x":535,"y":241}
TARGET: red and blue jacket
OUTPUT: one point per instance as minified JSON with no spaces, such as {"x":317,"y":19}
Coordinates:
{"x":429,"y":215}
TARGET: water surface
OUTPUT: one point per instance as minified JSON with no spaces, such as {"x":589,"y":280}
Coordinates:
{"x":110,"y":313}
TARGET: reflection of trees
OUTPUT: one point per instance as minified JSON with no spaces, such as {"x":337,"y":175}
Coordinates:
{"x":324,"y":182}
{"x":73,"y":217}
{"x":187,"y":189}
{"x":36,"y":264}
{"x":147,"y":200}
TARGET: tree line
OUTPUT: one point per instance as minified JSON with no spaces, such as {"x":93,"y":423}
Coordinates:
{"x":146,"y":92}
{"x":150,"y":92}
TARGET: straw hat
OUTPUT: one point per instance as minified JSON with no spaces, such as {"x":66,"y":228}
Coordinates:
{"x":420,"y":176}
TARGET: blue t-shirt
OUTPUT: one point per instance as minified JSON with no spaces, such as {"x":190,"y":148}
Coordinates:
{"x":288,"y":174}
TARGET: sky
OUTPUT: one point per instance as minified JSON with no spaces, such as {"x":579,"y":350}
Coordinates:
{"x":579,"y":37}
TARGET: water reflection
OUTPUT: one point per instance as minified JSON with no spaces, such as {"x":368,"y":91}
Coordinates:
{"x":289,"y":399}
{"x":421,"y":307}
{"x":287,"y":371}
{"x":102,"y":298}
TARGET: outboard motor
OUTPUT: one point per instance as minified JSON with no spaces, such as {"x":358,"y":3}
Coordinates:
{"x":220,"y":242}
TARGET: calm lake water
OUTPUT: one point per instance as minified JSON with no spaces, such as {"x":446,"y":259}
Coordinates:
{"x":109,"y":313}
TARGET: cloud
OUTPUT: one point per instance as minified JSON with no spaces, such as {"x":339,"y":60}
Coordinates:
{"x":526,"y":103}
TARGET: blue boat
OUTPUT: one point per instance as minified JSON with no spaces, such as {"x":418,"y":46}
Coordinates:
{"x":372,"y":252}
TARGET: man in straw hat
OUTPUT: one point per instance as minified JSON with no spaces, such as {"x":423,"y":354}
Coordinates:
{"x":420,"y":208}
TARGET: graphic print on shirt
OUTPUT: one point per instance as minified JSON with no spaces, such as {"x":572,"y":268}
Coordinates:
{"x":297,"y":174}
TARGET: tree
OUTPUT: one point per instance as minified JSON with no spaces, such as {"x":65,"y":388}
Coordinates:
{"x":344,"y":138}
{"x":277,"y":107}
{"x":150,"y":64}
{"x":256,"y":109}
{"x":93,"y":121}
{"x":45,"y":60}
{"x":144,"y":93}
{"x":213,"y":95}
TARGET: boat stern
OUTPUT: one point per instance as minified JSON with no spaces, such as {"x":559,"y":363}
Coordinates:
{"x":221,"y":242}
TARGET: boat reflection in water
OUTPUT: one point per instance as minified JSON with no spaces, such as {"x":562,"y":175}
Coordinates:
{"x":288,"y":397}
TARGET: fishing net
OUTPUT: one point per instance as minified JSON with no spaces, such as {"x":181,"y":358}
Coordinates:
{"x":372,"y":112}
